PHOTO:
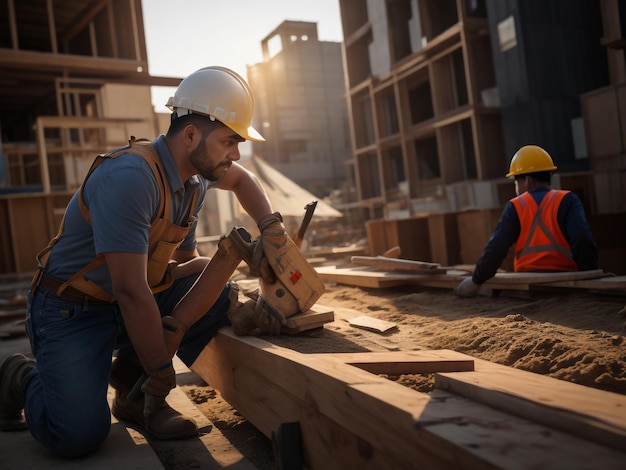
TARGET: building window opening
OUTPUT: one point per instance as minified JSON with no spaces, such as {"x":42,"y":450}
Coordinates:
{"x":427,"y":158}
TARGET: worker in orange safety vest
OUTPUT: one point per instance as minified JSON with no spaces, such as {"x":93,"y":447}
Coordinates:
{"x":547,"y":227}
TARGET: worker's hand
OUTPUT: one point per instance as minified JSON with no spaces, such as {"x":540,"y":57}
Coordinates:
{"x":467,"y":288}
{"x":273,"y":237}
{"x":155,"y":386}
{"x":272,"y":225}
{"x":254,"y":317}
{"x":258,"y":264}
{"x":269,"y":320}
{"x":273,"y":233}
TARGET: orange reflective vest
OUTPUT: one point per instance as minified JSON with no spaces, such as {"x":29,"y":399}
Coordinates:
{"x":163,"y":239}
{"x":541,"y":246}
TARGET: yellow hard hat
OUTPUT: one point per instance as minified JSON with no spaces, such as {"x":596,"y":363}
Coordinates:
{"x":530,"y":159}
{"x":221,"y":93}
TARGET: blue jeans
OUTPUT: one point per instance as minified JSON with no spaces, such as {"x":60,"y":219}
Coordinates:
{"x":66,"y":394}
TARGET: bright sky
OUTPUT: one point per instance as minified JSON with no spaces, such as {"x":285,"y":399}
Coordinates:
{"x":186,"y":35}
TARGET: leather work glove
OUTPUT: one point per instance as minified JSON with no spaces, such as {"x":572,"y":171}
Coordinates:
{"x":255,"y":317}
{"x":272,"y":230}
{"x":240,"y":242}
{"x":272,"y":239}
{"x":156,"y":385}
{"x":467,"y":288}
{"x":258,"y":264}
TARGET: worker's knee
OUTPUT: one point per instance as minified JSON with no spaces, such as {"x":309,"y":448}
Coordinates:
{"x":81,"y":441}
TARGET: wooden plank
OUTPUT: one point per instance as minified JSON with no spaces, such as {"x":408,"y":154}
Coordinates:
{"x":371,"y":277}
{"x":405,"y":362}
{"x":601,"y":283}
{"x":443,"y":232}
{"x":363,"y":277}
{"x":392,"y":264}
{"x":412,"y":237}
{"x":315,"y":317}
{"x":533,"y":278}
{"x":393,"y":252}
{"x":536,"y":447}
{"x":589,"y":413}
{"x":350,"y":418}
{"x":372,"y":324}
{"x":376,"y":237}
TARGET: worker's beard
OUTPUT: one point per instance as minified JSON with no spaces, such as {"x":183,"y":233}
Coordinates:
{"x":199,"y":158}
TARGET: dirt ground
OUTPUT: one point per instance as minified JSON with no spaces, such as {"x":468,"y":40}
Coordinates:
{"x":577,"y":337}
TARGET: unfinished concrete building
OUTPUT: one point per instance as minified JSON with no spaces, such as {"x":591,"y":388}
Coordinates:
{"x":74,"y":82}
{"x":301,"y":106}
{"x":441,"y":93}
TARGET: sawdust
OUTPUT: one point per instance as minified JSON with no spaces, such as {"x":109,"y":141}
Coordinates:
{"x":577,"y":337}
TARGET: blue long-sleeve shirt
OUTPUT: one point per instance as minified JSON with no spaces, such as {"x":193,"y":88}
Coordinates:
{"x":571,"y":220}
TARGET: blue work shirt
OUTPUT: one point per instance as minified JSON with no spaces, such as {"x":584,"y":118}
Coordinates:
{"x":123,"y":198}
{"x":571,"y":220}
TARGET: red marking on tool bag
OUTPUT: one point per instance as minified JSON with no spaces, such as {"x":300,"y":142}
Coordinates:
{"x":295,"y":277}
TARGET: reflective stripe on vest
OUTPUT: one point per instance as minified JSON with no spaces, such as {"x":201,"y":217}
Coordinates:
{"x":541,"y":246}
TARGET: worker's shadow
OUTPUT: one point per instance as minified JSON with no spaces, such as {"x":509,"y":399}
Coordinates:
{"x":322,"y":340}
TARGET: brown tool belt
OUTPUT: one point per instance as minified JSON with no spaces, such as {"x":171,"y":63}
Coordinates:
{"x":52,"y":284}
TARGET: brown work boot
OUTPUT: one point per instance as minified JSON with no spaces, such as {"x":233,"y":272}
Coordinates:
{"x":164,"y":423}
{"x":12,"y":392}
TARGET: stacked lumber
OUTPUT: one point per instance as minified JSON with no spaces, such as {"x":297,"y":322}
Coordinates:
{"x":480,"y":415}
{"x":381,"y":272}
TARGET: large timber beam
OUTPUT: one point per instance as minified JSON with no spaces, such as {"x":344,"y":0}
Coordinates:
{"x":350,"y":418}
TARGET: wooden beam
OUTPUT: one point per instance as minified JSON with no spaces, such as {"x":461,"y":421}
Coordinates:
{"x":14,"y":39}
{"x":52,"y":27}
{"x":71,"y":63}
{"x":83,"y":18}
{"x":373,"y":277}
{"x":350,"y":418}
{"x":403,"y":362}
{"x":112,"y":35}
{"x":392,"y":264}
{"x":589,"y":413}
{"x":133,"y":18}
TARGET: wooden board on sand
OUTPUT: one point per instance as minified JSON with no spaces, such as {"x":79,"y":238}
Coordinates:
{"x":372,"y":277}
{"x":351,"y":418}
{"x":395,"y":264}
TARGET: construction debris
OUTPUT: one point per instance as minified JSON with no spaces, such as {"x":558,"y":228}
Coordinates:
{"x":372,"y":324}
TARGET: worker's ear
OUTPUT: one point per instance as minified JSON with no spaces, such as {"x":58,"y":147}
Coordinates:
{"x":191,"y":135}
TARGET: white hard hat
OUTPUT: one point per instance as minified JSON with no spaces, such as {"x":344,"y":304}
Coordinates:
{"x":221,"y":93}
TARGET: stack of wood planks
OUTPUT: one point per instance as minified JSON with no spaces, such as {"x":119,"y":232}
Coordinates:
{"x":381,"y":272}
{"x":340,"y":414}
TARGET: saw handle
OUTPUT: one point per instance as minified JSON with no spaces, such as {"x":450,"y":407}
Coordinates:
{"x":308,"y":215}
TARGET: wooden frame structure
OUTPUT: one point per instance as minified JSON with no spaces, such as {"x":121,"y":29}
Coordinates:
{"x":52,"y":55}
{"x":423,"y":121}
{"x":481,"y":416}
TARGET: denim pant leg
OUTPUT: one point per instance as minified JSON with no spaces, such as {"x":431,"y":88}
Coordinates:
{"x":66,"y":394}
{"x":204,"y":329}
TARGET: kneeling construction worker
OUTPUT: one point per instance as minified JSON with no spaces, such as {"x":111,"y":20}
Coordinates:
{"x":125,"y":257}
{"x":547,"y":227}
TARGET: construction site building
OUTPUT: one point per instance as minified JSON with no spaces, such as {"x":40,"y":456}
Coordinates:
{"x":74,"y":82}
{"x":300,"y":96}
{"x":441,"y":93}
